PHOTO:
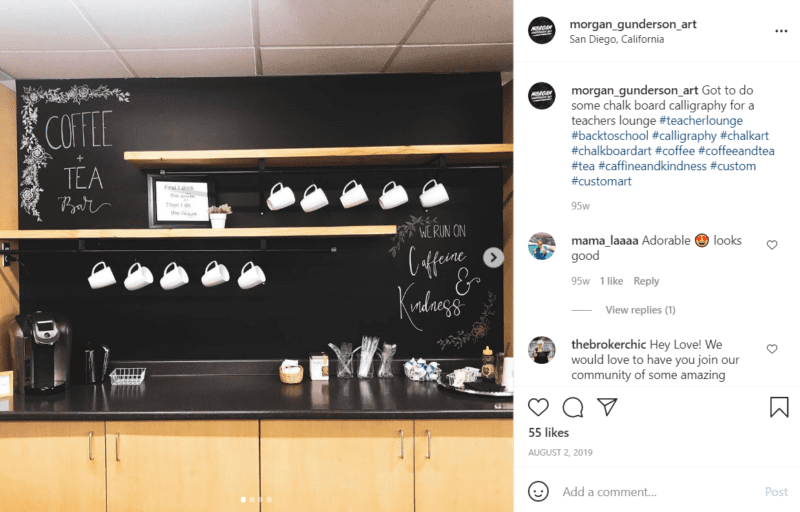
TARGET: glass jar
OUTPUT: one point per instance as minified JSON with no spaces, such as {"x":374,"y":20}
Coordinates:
{"x":488,"y":369}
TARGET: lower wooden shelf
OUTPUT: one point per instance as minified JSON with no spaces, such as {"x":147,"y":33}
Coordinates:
{"x":57,"y":234}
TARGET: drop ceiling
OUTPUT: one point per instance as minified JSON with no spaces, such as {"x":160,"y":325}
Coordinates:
{"x":51,"y":39}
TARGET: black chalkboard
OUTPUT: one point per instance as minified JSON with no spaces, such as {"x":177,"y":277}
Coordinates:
{"x":375,"y":286}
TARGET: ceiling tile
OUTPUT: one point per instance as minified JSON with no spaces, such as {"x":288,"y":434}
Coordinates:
{"x":324,"y":60}
{"x":335,"y":22}
{"x":156,"y":24}
{"x":46,"y":65}
{"x":190,"y":63}
{"x":45,"y":25}
{"x":466,"y":21}
{"x":453,"y":58}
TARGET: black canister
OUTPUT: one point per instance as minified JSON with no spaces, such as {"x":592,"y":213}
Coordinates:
{"x":89,"y":362}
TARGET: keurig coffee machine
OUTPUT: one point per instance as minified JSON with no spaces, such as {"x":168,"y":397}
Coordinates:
{"x":41,"y":348}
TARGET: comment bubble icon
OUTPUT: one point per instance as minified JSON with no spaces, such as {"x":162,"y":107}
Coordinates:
{"x":573,"y":407}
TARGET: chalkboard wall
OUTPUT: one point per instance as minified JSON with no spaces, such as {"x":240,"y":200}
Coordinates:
{"x":378,"y":285}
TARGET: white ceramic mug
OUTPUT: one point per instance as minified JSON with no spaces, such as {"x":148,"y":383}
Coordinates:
{"x":353,"y":197}
{"x":174,"y":278}
{"x":101,"y":278}
{"x":313,"y":200}
{"x":433,"y":196}
{"x":281,"y":198}
{"x":251,"y":277}
{"x":138,"y":277}
{"x":216,"y":275}
{"x":393,"y":197}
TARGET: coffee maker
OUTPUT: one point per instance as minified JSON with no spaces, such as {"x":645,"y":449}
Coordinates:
{"x":41,"y":348}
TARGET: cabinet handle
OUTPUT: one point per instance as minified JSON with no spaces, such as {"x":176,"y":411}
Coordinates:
{"x":402,"y":445}
{"x":428,"y":433}
{"x":117,"y":443}
{"x":91,"y":455}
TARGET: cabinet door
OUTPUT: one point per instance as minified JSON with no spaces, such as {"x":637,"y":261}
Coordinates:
{"x":337,"y":465}
{"x":173,"y":466}
{"x":52,"y":465}
{"x":464,"y":465}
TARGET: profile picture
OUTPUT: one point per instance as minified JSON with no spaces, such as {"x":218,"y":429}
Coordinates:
{"x":542,"y":95}
{"x":541,"y":350}
{"x":542,"y":246}
{"x":542,"y":30}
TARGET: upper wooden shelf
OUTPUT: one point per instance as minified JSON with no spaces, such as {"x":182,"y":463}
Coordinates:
{"x":322,"y":157}
{"x":61,"y":234}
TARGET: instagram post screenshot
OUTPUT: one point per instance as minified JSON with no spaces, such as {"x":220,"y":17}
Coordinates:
{"x":285,"y":256}
{"x":255,"y":255}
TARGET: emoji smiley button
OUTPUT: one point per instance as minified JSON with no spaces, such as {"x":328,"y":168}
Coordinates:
{"x":701,"y":240}
{"x":538,"y":491}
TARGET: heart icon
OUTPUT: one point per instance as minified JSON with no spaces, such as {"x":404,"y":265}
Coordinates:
{"x":538,"y":405}
{"x":772,"y":348}
{"x":772,"y":244}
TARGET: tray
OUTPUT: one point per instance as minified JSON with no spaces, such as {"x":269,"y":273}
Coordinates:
{"x":493,"y":394}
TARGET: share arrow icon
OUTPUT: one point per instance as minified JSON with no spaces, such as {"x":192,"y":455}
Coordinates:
{"x":608,"y":404}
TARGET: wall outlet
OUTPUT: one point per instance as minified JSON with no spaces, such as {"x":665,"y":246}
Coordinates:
{"x":4,"y":260}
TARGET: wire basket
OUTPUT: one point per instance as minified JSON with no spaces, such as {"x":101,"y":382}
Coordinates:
{"x":470,"y":377}
{"x":127,"y":376}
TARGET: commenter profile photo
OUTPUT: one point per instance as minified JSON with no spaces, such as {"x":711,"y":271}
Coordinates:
{"x":542,"y":246}
{"x":541,"y":350}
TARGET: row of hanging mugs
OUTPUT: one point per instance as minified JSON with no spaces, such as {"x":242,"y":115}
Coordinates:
{"x":175,"y":276}
{"x":394,"y":195}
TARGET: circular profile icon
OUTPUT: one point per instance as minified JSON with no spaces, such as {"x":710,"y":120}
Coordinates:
{"x":701,"y":240}
{"x":542,"y":30}
{"x":541,"y":350}
{"x":538,"y":491}
{"x":542,"y":246}
{"x":542,"y":96}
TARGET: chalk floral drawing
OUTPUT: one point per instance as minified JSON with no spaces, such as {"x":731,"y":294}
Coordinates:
{"x":408,"y":229}
{"x":35,"y":155}
{"x":478,"y":331}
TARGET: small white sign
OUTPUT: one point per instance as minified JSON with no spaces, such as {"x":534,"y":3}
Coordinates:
{"x":6,"y":384}
{"x":181,"y":201}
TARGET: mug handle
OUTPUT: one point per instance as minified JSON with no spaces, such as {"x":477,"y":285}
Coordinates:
{"x":131,"y":271}
{"x":387,"y":186}
{"x":166,"y":270}
{"x":99,"y":263}
{"x":345,"y":187}
{"x":209,"y":265}
{"x":305,"y":194}
{"x":276,"y":185}
{"x":425,"y":188}
{"x":245,"y":266}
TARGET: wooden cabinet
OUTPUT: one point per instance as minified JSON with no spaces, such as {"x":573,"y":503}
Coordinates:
{"x":173,"y":466}
{"x":52,"y":465}
{"x":338,"y":465}
{"x":331,"y":465}
{"x":464,"y":465}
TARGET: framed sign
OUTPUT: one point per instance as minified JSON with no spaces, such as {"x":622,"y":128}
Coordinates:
{"x":6,"y":384}
{"x":177,"y":202}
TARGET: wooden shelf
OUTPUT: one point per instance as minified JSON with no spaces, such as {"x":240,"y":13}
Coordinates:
{"x":322,"y":157}
{"x":66,"y":234}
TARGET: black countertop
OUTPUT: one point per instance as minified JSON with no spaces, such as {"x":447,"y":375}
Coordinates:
{"x":193,"y":397}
